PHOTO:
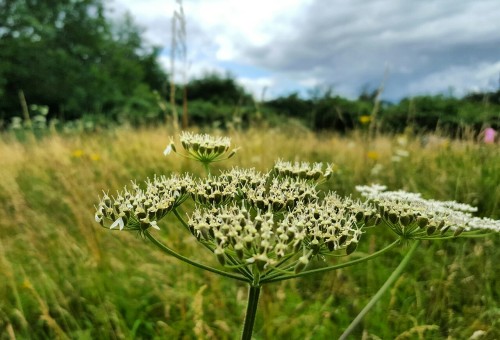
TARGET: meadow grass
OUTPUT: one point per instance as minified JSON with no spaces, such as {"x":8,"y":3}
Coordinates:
{"x":66,"y":277}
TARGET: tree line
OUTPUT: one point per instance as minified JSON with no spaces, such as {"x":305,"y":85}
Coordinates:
{"x":69,"y":58}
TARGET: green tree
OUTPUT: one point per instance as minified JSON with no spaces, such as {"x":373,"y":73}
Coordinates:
{"x":68,"y":55}
{"x":218,"y":89}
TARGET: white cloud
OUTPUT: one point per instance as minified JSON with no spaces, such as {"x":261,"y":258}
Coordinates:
{"x":258,"y":87}
{"x":346,"y":44}
{"x":310,"y":82}
{"x":461,"y":79}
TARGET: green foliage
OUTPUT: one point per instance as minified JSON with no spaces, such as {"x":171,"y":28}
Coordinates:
{"x":324,"y":111}
{"x":424,"y":113}
{"x":291,"y":105}
{"x":205,"y":113}
{"x":217,"y":89}
{"x":68,"y":56}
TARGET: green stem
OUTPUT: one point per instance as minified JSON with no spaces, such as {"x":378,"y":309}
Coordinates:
{"x":169,"y":251}
{"x":179,"y":217}
{"x":253,"y":301}
{"x":338,"y":266}
{"x":278,"y":269}
{"x":207,"y":168}
{"x":455,"y":237}
{"x":395,"y":274}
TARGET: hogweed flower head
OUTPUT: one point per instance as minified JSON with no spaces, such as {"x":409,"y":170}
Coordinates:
{"x":252,"y":219}
{"x":414,"y":217}
{"x":139,"y":208}
{"x":203,"y":147}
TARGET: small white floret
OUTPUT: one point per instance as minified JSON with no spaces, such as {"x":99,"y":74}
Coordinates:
{"x":118,"y":222}
{"x":168,"y":150}
{"x":154,"y":225}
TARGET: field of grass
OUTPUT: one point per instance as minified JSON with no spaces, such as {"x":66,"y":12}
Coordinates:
{"x":63,"y":276}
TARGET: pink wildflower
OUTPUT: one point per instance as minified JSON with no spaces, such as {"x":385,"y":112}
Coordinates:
{"x":489,"y":135}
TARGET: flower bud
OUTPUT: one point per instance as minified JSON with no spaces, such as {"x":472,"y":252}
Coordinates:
{"x":219,"y":252}
{"x":140,"y":213}
{"x":331,"y":245}
{"x":203,"y":229}
{"x":458,"y":231}
{"x":393,"y":217}
{"x":316,"y":175}
{"x":422,"y":221}
{"x":301,"y":264}
{"x":315,"y":246}
{"x":431,"y":228}
{"x":277,"y":205}
{"x":232,"y":153}
{"x":359,"y":216}
{"x":445,"y":229}
{"x":107,"y":201}
{"x":351,"y":247}
{"x":260,"y":204}
{"x":151,"y":213}
{"x":405,"y":220}
{"x":248,"y":241}
{"x":238,"y":248}
{"x":297,"y":245}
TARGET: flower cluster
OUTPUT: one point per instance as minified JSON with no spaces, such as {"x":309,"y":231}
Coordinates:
{"x":408,"y":213}
{"x":203,"y":148}
{"x":303,"y":170}
{"x":273,"y":223}
{"x":139,"y":209}
{"x":247,"y":235}
{"x":259,"y":190}
{"x":281,"y":193}
{"x":230,"y":185}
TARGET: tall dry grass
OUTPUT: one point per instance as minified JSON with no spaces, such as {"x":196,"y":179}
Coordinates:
{"x":65,"y":277}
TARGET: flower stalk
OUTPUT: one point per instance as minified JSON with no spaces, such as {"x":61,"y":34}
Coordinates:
{"x":170,"y":252}
{"x":392,"y":278}
{"x":251,"y":312}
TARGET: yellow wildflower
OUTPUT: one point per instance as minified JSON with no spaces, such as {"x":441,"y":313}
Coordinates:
{"x":365,"y":119}
{"x":77,"y":153}
{"x":372,"y":155}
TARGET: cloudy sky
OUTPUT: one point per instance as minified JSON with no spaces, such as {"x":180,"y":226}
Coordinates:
{"x":413,"y":47}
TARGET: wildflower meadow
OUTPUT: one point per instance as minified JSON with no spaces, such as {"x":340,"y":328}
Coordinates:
{"x":262,"y":233}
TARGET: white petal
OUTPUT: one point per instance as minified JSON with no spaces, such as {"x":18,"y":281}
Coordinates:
{"x":168,"y":150}
{"x":118,"y":222}
{"x":98,"y":218}
{"x":154,"y":225}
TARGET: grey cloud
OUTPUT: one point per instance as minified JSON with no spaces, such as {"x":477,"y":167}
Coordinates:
{"x":349,"y":43}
